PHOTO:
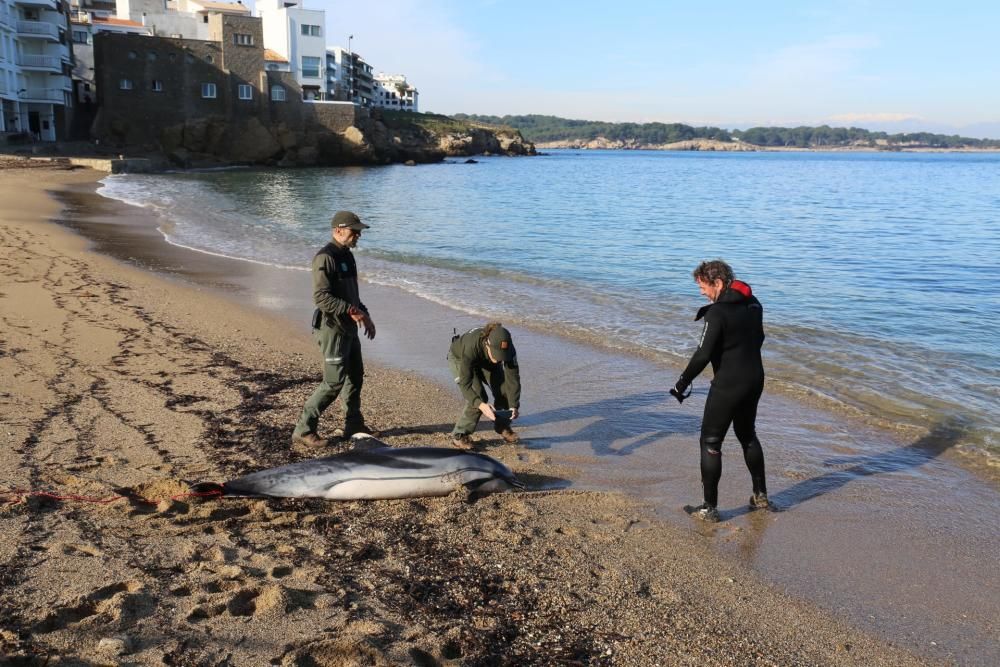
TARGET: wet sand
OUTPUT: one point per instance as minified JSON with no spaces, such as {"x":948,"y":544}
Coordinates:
{"x":124,"y":381}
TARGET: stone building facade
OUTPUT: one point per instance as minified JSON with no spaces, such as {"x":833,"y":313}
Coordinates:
{"x":215,"y":98}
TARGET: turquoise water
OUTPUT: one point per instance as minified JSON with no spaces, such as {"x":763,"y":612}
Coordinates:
{"x":875,"y":270}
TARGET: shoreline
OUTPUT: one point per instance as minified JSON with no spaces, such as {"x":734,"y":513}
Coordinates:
{"x":151,"y":395}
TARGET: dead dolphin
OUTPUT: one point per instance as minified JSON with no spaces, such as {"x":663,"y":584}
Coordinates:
{"x":379,"y":472}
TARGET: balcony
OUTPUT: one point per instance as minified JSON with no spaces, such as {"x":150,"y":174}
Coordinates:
{"x":44,"y":4}
{"x":40,"y":63}
{"x":44,"y":95}
{"x":7,"y":20}
{"x":38,"y":29}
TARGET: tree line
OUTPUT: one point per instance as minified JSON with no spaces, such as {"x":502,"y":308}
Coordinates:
{"x":552,"y":128}
{"x":538,"y":128}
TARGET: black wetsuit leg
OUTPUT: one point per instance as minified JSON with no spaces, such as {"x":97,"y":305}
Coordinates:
{"x":719,"y":407}
{"x":745,"y":428}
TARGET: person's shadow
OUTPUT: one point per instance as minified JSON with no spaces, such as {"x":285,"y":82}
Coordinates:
{"x":641,"y":419}
{"x":940,"y":439}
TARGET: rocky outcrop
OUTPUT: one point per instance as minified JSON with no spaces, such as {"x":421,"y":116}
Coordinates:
{"x":374,"y":138}
{"x":429,"y":137}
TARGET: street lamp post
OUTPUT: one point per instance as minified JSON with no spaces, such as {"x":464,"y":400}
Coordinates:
{"x":350,"y":54}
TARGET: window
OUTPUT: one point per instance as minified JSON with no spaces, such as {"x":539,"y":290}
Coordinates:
{"x":208,"y":91}
{"x":310,"y":67}
{"x":151,"y":56}
{"x":241,"y":39}
{"x":156,"y":86}
{"x":245,"y":91}
{"x":125,"y":84}
{"x":132,"y":55}
{"x":81,"y":37}
{"x":311,"y":30}
{"x":209,"y":59}
{"x":277,"y":94}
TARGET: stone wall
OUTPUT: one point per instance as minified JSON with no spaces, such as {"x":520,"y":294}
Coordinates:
{"x":135,"y":116}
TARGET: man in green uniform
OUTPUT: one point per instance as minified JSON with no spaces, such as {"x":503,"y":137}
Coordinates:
{"x":485,"y":356}
{"x":339,"y":315}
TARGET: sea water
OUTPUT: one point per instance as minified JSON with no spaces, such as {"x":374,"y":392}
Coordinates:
{"x":876,"y":270}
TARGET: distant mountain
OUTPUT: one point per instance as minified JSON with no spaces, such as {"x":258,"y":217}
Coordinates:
{"x":563,"y":131}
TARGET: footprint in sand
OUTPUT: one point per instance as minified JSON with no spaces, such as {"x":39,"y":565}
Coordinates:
{"x":117,"y":601}
{"x":85,"y":550}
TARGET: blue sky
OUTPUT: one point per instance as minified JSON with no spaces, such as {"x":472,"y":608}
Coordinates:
{"x":899,"y":66}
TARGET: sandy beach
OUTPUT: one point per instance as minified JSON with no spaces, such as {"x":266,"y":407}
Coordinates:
{"x":126,"y":386}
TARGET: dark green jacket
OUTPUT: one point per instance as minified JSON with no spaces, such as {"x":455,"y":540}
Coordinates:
{"x":468,"y":350}
{"x":335,"y":286}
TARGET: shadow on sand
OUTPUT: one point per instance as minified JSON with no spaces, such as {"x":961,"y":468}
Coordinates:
{"x":640,"y":419}
{"x":940,"y":439}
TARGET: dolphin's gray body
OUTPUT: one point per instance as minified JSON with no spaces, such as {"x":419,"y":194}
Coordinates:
{"x":380,"y":472}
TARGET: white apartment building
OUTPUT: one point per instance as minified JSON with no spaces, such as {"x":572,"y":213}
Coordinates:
{"x":183,"y":19}
{"x":392,"y":91}
{"x":297,"y":35}
{"x":349,"y":76}
{"x":35,"y":59}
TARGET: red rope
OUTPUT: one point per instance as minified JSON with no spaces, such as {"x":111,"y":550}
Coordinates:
{"x":19,"y":495}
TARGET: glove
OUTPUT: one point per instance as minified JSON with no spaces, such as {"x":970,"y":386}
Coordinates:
{"x":681,"y":390}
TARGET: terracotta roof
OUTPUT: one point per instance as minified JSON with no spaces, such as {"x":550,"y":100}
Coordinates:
{"x":114,"y":21}
{"x":274,"y":56}
{"x":223,"y":6}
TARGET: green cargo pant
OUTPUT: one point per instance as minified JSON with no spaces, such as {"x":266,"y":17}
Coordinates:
{"x":482,"y":377}
{"x":344,"y":370}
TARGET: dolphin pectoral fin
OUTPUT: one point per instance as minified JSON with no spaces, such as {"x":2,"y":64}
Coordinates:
{"x":491,"y":485}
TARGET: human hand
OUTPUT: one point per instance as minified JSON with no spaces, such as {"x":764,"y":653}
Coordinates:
{"x":513,"y":414}
{"x":679,"y":390}
{"x":487,"y":411}
{"x":356,"y":313}
{"x":369,"y":326}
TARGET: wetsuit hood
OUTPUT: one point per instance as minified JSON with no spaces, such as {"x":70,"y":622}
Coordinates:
{"x":737,"y":292}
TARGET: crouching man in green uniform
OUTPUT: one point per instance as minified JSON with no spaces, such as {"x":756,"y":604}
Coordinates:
{"x":482,"y":357}
{"x":340,"y":314}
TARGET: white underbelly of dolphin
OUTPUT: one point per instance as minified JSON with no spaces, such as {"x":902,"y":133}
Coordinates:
{"x":384,"y":472}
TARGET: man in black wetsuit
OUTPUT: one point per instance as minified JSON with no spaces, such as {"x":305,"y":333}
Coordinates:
{"x":731,"y":339}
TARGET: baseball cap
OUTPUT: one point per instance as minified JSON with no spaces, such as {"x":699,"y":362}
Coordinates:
{"x":347,"y":220}
{"x":501,"y":345}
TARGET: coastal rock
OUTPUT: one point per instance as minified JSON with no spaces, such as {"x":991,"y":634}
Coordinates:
{"x":378,"y":138}
{"x":355,"y":137}
{"x":171,"y":138}
{"x":194,"y":135}
{"x":286,"y":137}
{"x":180,"y":157}
{"x":253,"y":143}
{"x":308,"y":156}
